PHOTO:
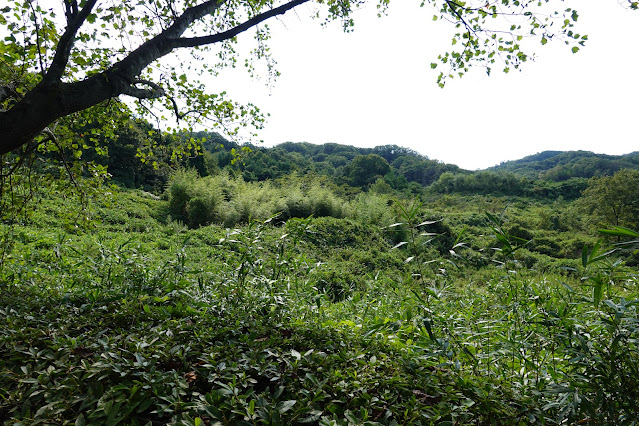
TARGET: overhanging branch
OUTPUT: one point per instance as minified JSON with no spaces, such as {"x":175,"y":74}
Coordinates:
{"x":215,"y":38}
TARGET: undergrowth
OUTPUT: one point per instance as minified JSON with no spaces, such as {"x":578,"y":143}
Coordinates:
{"x":307,"y":321}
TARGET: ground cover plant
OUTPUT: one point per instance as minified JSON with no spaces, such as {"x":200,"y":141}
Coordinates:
{"x":446,"y":310}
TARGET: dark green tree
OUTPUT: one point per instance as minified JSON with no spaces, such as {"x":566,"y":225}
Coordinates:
{"x":365,"y":169}
{"x":613,"y":200}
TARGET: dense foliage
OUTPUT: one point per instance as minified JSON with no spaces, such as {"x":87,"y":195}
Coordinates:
{"x":561,"y":166}
{"x":299,"y":284}
{"x":376,"y":309}
{"x":613,"y":200}
{"x":400,"y":169}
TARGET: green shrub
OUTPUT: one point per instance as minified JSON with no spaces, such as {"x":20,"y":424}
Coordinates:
{"x":333,"y":232}
{"x":180,"y":191}
{"x":371,"y":209}
{"x":547,"y":246}
{"x":200,"y":211}
{"x":336,"y":282}
{"x":297,"y":204}
{"x":324,"y":203}
{"x":194,"y":200}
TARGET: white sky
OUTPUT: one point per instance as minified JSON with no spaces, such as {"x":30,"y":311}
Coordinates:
{"x":375,"y":87}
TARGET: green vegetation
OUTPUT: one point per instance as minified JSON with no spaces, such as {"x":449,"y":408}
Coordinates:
{"x":560,"y":166}
{"x":210,"y":283}
{"x":298,"y":300}
{"x":613,"y":200}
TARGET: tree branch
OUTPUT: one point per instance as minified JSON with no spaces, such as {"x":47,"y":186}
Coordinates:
{"x":52,"y":99}
{"x":179,"y":116}
{"x":71,"y":9}
{"x":215,"y":38}
{"x":75,"y":20}
{"x":159,"y":46}
{"x":156,"y":91}
{"x":38,"y":43}
{"x":450,"y":4}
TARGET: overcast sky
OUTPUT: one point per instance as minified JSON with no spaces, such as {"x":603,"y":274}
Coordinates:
{"x":375,"y":87}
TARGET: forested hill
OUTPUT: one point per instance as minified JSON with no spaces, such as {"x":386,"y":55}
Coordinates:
{"x":562,"y":165}
{"x":352,"y":165}
{"x":387,"y":168}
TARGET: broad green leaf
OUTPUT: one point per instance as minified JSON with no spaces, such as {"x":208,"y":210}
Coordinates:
{"x":80,"y":421}
{"x":283,"y":407}
{"x":395,"y":225}
{"x":620,"y":231}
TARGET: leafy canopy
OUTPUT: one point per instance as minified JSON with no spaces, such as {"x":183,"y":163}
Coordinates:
{"x":613,"y":200}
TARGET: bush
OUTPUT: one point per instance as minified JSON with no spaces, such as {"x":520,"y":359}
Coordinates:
{"x":371,"y":209}
{"x":180,"y":190}
{"x":200,"y":211}
{"x":332,"y":232}
{"x":297,"y":205}
{"x":193,"y":200}
{"x":336,"y":283}
{"x":324,"y":203}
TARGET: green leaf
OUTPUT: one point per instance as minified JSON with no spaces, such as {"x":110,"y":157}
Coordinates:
{"x":574,"y":15}
{"x":620,"y":231}
{"x":429,"y":222}
{"x":597,"y":291}
{"x":395,"y":224}
{"x":575,"y":49}
{"x":286,"y":405}
{"x":80,"y":421}
{"x":544,"y":40}
{"x":429,"y":329}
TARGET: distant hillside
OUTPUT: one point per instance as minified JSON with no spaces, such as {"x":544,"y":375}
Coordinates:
{"x":549,"y":174}
{"x":562,"y":165}
{"x":330,"y":159}
{"x":386,"y":168}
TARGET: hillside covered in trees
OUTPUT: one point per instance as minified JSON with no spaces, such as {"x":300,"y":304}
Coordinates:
{"x":561,"y":166}
{"x":549,"y":174}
